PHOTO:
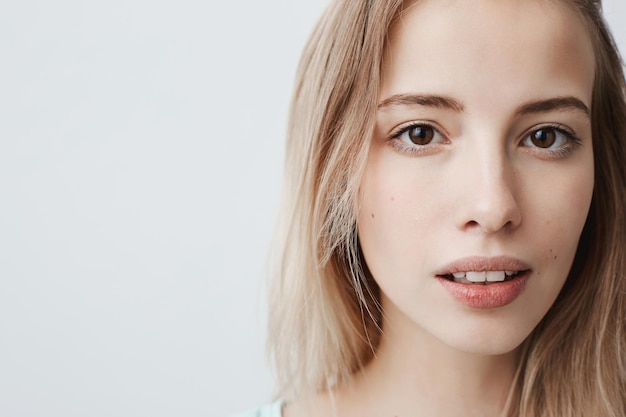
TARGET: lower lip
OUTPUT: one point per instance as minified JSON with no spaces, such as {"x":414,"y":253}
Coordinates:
{"x":488,"y":296}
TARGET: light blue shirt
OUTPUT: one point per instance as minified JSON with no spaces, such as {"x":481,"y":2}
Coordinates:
{"x":270,"y":410}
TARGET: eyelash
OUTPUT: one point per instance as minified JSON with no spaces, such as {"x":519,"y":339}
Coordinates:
{"x":573,"y":141}
{"x":401,"y":146}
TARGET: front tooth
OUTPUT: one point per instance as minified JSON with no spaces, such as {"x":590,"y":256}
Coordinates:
{"x":459,"y":275}
{"x":476,"y":276}
{"x":495,"y":276}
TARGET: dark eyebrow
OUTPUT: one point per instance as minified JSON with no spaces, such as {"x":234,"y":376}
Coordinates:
{"x":554,"y":104}
{"x":421,"y":100}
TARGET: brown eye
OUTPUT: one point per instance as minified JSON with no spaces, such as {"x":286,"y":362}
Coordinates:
{"x":543,"y":138}
{"x":418,"y":138}
{"x":421,"y":135}
{"x":551,"y":141}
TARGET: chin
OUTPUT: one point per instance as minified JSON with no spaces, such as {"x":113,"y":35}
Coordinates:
{"x":487,"y":348}
{"x":486,"y":340}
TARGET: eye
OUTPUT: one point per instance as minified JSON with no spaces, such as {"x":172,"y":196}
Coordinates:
{"x":552,"y":138}
{"x":546,"y":137}
{"x":419,"y":134}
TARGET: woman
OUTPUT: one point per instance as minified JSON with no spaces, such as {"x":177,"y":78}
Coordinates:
{"x":453,"y":230}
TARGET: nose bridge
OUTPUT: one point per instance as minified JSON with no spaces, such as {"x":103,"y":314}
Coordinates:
{"x":490,"y":193}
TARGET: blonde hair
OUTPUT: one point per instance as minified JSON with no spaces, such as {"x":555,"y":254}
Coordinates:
{"x":324,"y":321}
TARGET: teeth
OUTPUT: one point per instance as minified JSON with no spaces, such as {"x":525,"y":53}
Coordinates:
{"x":476,"y":276}
{"x":495,"y":276}
{"x":483,"y":276}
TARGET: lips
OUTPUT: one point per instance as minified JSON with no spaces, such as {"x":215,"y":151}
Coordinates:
{"x":485,"y":283}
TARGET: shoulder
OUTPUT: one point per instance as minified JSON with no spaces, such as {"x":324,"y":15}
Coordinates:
{"x":269,"y":410}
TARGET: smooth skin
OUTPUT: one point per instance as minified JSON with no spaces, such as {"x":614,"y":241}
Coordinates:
{"x":483,"y":148}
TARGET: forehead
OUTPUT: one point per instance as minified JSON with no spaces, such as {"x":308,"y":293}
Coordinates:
{"x":470,"y":47}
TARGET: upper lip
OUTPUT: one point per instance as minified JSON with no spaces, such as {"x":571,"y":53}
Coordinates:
{"x":480,"y":264}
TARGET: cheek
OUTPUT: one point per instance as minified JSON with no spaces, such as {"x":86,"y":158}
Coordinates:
{"x":399,"y":214}
{"x":560,"y":207}
{"x":380,"y":220}
{"x":556,"y":212}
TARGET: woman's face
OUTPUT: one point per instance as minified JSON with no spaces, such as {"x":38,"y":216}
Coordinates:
{"x":480,"y":172}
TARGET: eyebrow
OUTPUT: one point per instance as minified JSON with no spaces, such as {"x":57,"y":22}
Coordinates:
{"x":422,"y":100}
{"x":442,"y":102}
{"x":554,"y":104}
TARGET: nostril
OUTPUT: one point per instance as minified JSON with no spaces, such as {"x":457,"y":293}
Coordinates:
{"x":474,"y":224}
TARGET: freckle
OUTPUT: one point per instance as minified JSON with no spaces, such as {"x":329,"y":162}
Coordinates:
{"x":555,"y":256}
{"x":372,"y":215}
{"x":392,"y":198}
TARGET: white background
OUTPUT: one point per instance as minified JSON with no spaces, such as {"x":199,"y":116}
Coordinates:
{"x":140,"y":165}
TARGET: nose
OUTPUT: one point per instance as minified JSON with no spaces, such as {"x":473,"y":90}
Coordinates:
{"x":489,"y":193}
